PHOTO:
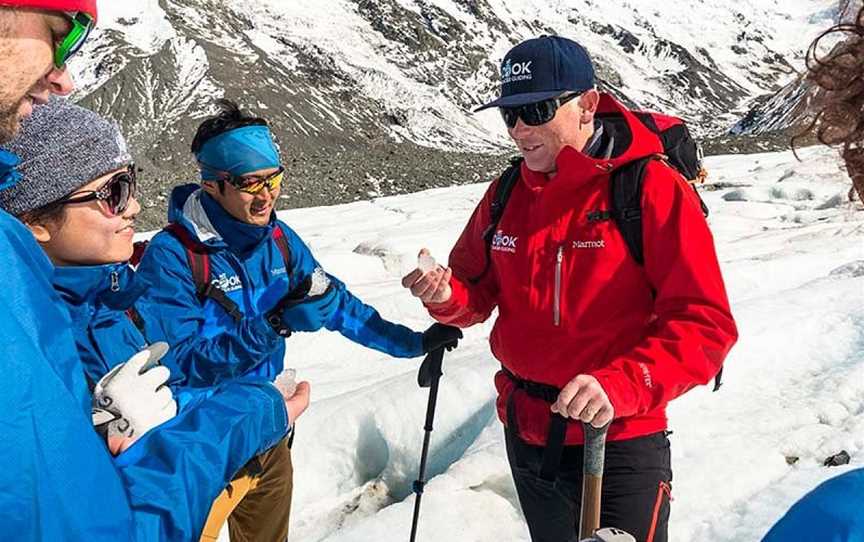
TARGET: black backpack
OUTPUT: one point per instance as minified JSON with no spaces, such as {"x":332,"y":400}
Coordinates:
{"x":680,"y":151}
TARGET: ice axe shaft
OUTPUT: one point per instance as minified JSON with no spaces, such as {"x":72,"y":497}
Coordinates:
{"x":429,"y":376}
{"x":592,"y":479}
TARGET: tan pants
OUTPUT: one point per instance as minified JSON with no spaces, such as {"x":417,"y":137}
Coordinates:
{"x":257,"y":506}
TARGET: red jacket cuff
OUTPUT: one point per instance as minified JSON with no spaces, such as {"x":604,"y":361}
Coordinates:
{"x":621,"y":394}
{"x":450,"y":309}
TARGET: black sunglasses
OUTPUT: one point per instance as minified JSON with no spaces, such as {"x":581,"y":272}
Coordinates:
{"x":116,"y":193}
{"x":535,"y":114}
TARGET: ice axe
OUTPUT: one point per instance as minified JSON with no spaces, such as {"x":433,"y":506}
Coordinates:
{"x":592,"y":479}
{"x":428,"y":377}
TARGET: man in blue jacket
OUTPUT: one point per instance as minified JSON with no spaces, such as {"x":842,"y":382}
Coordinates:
{"x":227,"y":282}
{"x":59,"y":481}
{"x":833,"y":512}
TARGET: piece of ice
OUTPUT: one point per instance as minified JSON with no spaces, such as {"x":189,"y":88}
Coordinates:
{"x":320,"y":282}
{"x":426,"y":263}
{"x":286,"y":382}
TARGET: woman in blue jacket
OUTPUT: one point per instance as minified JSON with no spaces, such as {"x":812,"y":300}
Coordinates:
{"x":83,"y":220}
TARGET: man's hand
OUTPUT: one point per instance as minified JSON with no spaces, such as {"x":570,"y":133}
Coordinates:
{"x":430,"y":287}
{"x":133,"y":398}
{"x":297,"y":403}
{"x":583,"y":398}
{"x":303,"y":313}
{"x":438,"y":335}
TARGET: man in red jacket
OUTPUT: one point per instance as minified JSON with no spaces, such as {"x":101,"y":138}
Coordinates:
{"x":584,"y":332}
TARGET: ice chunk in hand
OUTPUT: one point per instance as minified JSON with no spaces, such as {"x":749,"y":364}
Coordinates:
{"x":426,"y":263}
{"x":320,"y":282}
{"x":286,"y":382}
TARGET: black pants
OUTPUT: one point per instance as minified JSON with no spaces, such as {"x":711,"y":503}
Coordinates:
{"x":636,"y":489}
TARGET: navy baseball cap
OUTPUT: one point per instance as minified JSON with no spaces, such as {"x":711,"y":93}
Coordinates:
{"x":542,"y":68}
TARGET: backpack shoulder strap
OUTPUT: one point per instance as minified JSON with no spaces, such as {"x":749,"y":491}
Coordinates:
{"x":137,"y":320}
{"x":625,"y":189}
{"x":503,"y":190}
{"x":198,"y":257}
{"x":138,"y":249}
{"x":626,"y":196}
{"x":281,"y":241}
{"x":196,"y":254}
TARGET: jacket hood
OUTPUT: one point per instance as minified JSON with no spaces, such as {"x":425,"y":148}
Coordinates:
{"x":632,"y":141}
{"x":185,"y":208}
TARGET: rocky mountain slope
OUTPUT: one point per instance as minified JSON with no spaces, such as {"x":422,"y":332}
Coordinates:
{"x":374,"y":97}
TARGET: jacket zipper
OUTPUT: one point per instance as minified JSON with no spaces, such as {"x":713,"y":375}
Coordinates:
{"x":115,"y":281}
{"x":556,"y":309}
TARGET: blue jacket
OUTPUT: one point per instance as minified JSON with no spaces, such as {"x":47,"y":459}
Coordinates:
{"x":211,"y":346}
{"x":96,"y":298}
{"x":58,"y":480}
{"x":833,"y":512}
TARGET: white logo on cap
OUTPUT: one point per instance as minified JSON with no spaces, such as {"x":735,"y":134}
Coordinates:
{"x":520,"y":71}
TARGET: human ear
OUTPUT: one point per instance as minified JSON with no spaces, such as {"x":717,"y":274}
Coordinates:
{"x":210,"y":188}
{"x":40,"y":232}
{"x":588,"y":103}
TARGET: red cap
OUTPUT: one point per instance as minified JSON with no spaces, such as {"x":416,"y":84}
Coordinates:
{"x":87,"y":6}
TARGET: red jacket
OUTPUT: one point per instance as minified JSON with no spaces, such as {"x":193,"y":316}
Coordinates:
{"x":571,"y":299}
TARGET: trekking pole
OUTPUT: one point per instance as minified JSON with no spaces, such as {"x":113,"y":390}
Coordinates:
{"x":428,"y":377}
{"x":592,"y":479}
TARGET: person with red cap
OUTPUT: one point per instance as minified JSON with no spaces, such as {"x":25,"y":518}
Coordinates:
{"x":589,"y":329}
{"x":59,"y":480}
{"x":36,"y":39}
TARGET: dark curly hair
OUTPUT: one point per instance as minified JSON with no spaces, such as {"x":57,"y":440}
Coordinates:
{"x":839,"y":100}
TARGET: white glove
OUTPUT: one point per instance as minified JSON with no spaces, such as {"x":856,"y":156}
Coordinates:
{"x":610,"y":534}
{"x":133,"y":398}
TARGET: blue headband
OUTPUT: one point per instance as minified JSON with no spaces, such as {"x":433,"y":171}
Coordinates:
{"x":238,"y":152}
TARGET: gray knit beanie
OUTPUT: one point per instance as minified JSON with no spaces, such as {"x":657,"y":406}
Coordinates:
{"x":62,"y":147}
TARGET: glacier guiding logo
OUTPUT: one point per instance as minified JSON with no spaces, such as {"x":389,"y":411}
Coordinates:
{"x":504,"y":243}
{"x":506,"y":70}
{"x":226,"y":283}
{"x":520,"y":71}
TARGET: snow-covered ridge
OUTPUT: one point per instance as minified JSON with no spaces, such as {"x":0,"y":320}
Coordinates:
{"x":412,"y":69}
{"x":375,"y":97}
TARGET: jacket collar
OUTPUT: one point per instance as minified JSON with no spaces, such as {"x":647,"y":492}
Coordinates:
{"x":112,"y":285}
{"x":199,"y":213}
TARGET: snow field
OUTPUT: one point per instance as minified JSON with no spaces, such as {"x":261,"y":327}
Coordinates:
{"x":794,"y":384}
